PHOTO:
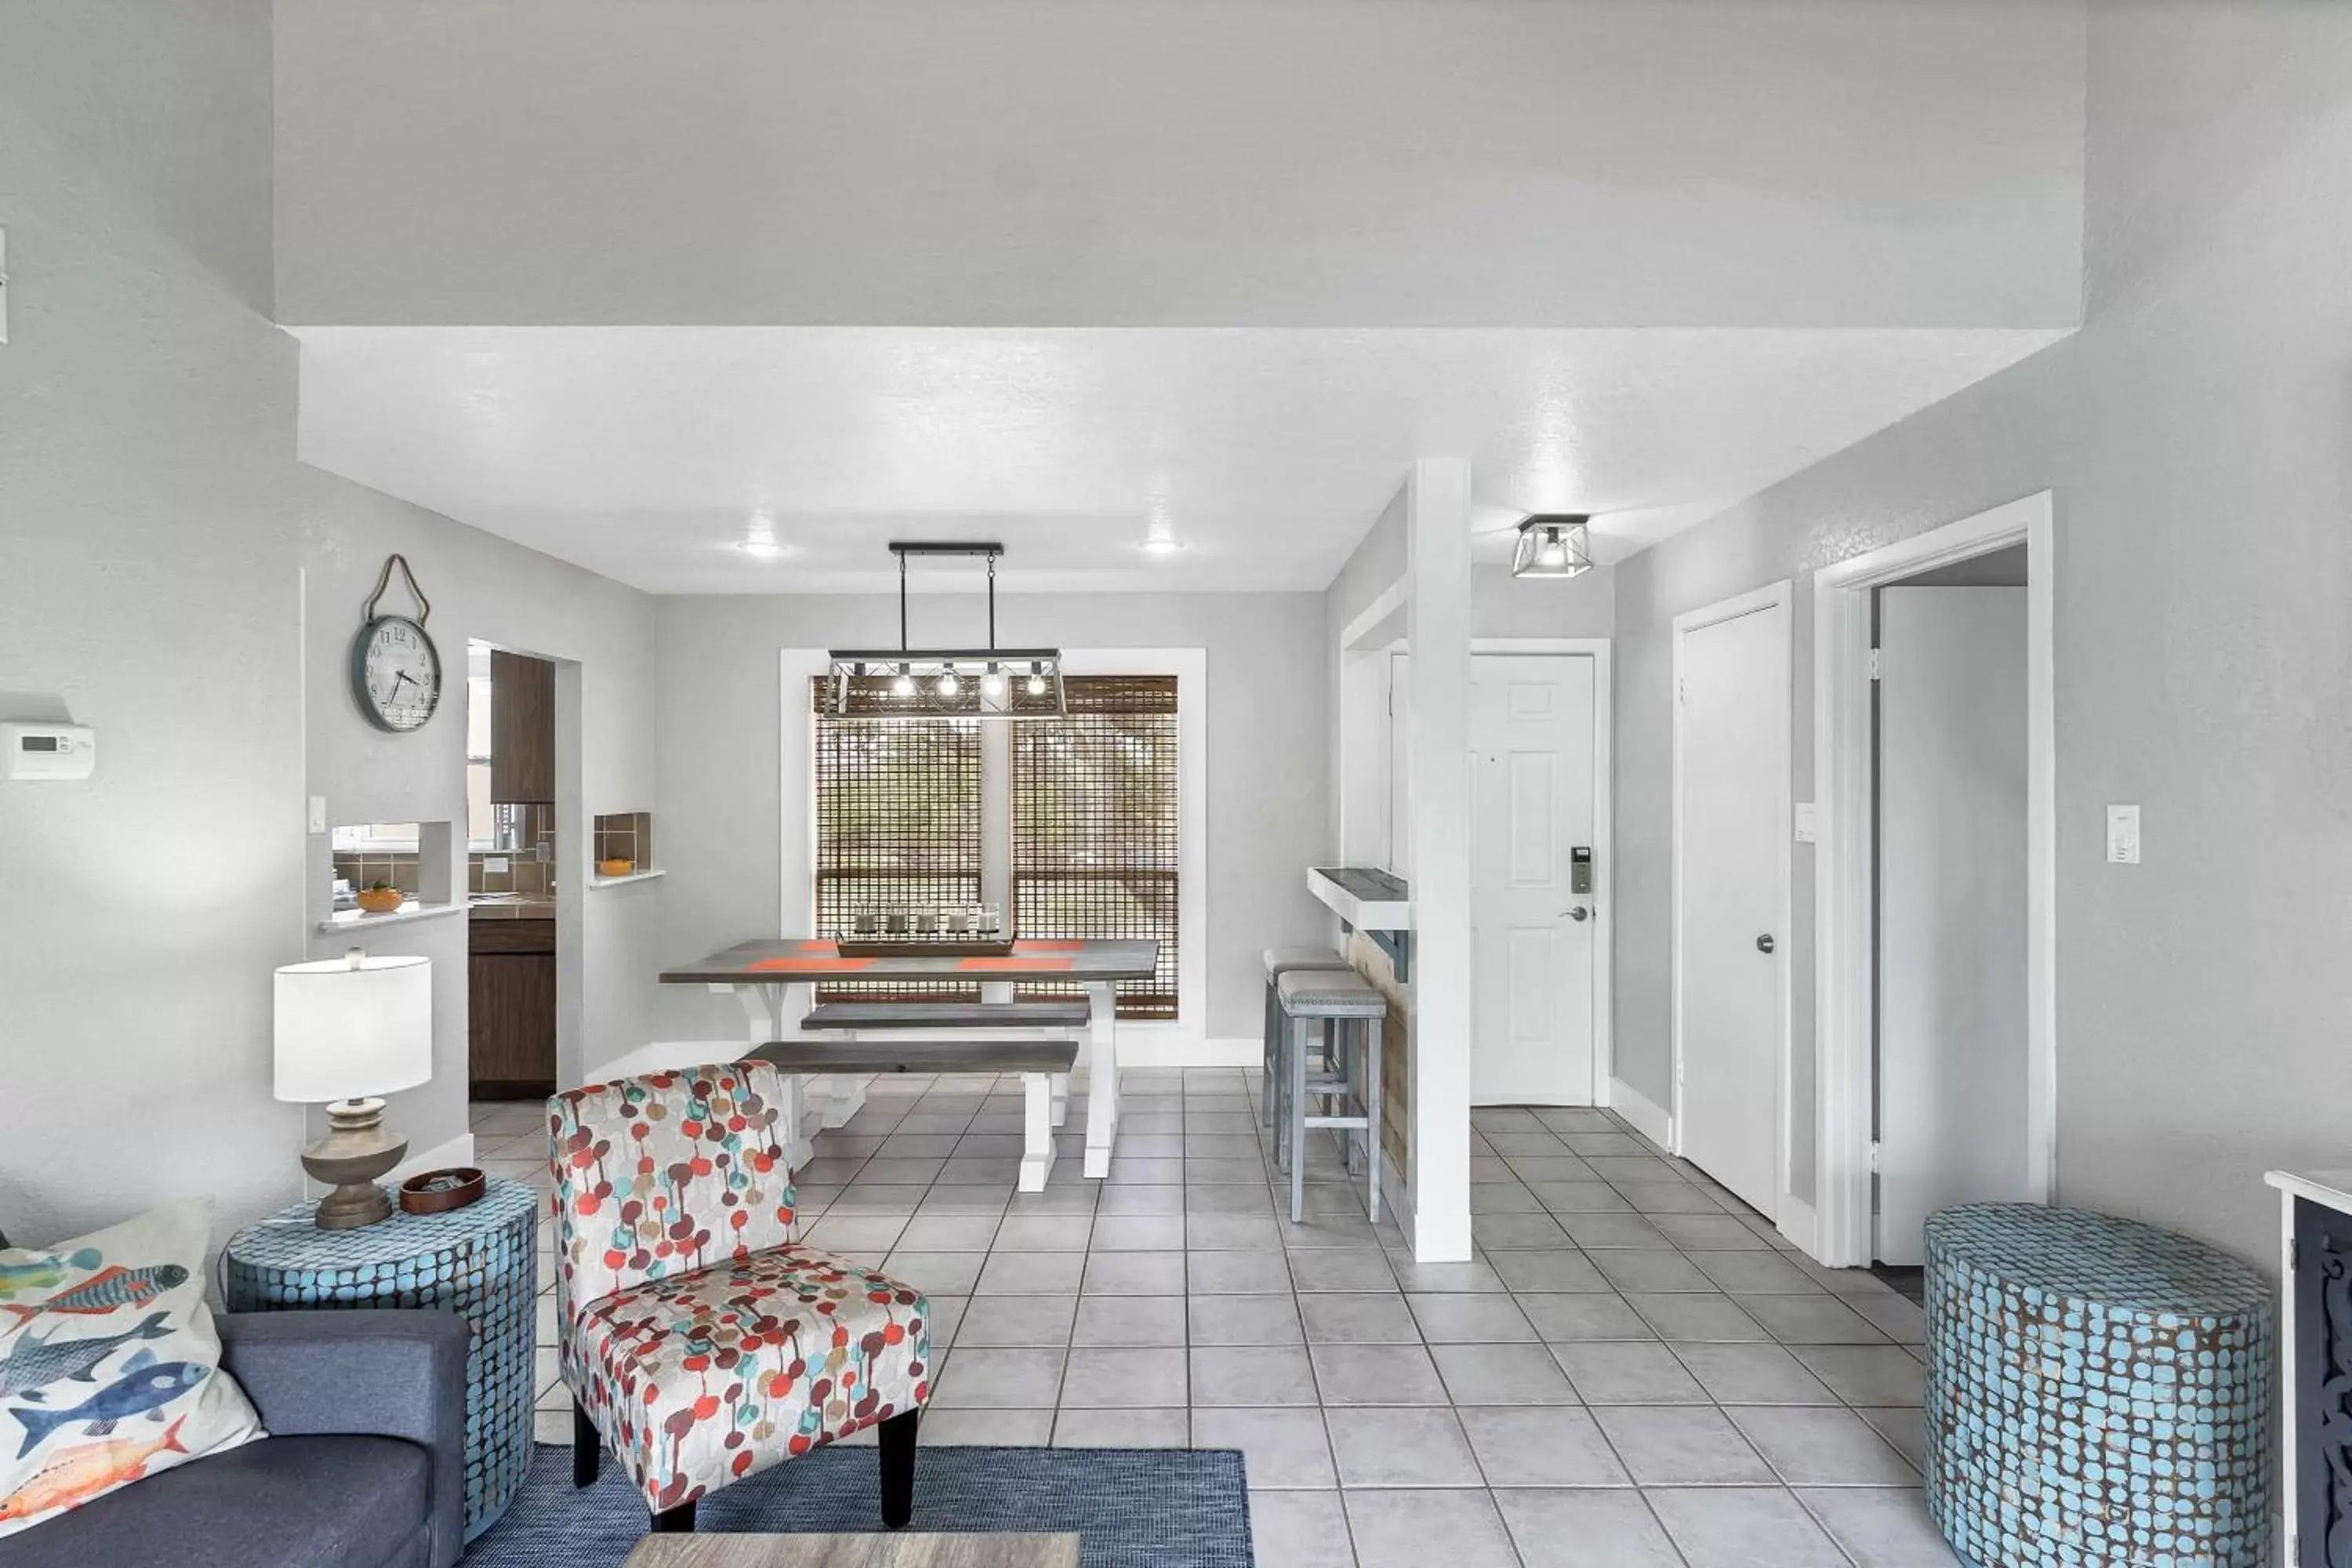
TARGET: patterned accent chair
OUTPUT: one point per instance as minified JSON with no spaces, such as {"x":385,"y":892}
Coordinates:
{"x":700,"y":1345}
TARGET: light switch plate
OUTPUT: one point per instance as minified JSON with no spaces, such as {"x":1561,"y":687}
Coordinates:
{"x":318,"y":814}
{"x":1806,"y":832}
{"x":2123,"y":834}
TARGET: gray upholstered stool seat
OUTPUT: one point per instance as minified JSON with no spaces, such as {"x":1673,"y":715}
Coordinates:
{"x":1329,"y":993}
{"x":1344,"y":1095}
{"x":1280,"y":961}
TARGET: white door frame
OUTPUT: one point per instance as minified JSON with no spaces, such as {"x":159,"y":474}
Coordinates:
{"x":1604,"y":917}
{"x":1782,"y":593}
{"x":1846,"y":1087}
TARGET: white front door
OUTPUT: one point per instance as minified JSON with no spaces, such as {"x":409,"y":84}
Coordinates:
{"x":1952,"y":901}
{"x":1531,"y":937}
{"x":1731,"y":944}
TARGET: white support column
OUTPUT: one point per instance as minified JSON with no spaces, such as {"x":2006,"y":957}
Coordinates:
{"x":1438,"y":571}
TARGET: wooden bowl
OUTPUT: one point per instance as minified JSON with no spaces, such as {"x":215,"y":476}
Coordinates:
{"x":381,"y":903}
{"x":615,"y":867}
{"x":438,"y":1191}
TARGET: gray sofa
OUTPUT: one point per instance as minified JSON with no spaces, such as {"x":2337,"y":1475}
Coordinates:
{"x":364,"y":1466}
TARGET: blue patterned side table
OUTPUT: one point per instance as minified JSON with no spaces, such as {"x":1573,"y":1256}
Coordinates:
{"x":2098,"y":1392}
{"x":480,"y":1262}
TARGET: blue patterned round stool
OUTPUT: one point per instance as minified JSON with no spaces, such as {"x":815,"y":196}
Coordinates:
{"x":480,"y":1262}
{"x":2098,"y":1392}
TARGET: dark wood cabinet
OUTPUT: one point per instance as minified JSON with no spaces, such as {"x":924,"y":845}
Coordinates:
{"x":523,"y":729}
{"x":512,"y":1004}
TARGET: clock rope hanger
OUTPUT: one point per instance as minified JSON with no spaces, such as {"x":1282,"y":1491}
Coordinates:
{"x":395,"y":668}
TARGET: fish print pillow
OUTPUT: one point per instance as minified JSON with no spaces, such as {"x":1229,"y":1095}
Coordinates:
{"x":110,"y":1364}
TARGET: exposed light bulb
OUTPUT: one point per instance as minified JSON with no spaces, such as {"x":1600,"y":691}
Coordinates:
{"x":948,"y":685}
{"x":904,"y":685}
{"x":1553,"y":552}
{"x":991,"y":686}
{"x":1036,"y":686}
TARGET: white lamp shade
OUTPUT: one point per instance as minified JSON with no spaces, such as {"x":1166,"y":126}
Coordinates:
{"x":347,"y":1030}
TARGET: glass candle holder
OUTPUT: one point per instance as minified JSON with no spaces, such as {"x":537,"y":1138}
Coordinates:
{"x":926,"y":921}
{"x":898,"y":920}
{"x":867,"y":922}
{"x":959,"y":921}
{"x":991,"y":919}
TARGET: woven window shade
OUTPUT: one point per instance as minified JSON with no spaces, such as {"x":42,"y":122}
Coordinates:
{"x":898,"y":823}
{"x":1095,"y":826}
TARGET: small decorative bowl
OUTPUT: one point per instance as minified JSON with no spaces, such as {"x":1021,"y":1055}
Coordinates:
{"x":381,"y":902}
{"x":615,"y":867}
{"x":438,"y":1191}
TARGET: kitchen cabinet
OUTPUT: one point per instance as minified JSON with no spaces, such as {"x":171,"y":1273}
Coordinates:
{"x":523,"y":729}
{"x":510,"y":991}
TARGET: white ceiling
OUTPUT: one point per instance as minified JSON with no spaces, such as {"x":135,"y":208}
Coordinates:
{"x":645,"y":453}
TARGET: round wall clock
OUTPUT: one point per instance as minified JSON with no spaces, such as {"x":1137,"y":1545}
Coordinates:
{"x":395,"y":668}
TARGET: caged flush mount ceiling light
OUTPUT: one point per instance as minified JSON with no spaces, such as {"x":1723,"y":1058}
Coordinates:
{"x":908,"y":682}
{"x":1553,"y":545}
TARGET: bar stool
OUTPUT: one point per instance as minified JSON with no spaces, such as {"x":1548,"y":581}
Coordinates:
{"x":1279,"y":962}
{"x":1351,"y":1013}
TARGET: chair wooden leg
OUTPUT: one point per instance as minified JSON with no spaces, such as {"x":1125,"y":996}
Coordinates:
{"x":895,"y":1438}
{"x":678,"y":1520}
{"x":587,"y":1446}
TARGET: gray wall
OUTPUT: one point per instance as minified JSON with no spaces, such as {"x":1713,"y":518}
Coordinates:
{"x":481,"y":586}
{"x":1031,"y":163}
{"x":148,"y":507}
{"x":2194,"y":434}
{"x":717,"y":726}
{"x":1502,"y":605}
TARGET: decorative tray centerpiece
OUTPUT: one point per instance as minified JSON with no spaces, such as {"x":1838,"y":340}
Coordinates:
{"x":975,"y":930}
{"x":438,"y":1191}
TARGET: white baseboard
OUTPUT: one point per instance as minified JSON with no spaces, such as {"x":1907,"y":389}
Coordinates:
{"x":1155,"y":1048}
{"x":1644,"y":1116}
{"x":1797,"y":1223}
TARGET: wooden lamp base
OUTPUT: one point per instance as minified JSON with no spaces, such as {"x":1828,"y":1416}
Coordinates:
{"x":357,"y":1149}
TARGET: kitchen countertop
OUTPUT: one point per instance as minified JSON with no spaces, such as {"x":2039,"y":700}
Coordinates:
{"x":507,"y":907}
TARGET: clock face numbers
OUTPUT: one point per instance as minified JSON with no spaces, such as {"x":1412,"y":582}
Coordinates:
{"x":399,"y":673}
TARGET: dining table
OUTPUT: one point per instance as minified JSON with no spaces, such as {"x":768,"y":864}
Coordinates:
{"x":774,"y":978}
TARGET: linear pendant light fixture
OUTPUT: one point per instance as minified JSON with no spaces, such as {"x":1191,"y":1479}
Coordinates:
{"x":907,"y":683}
{"x":1553,"y":545}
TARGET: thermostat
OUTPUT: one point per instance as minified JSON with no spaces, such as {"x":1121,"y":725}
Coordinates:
{"x":47,"y":751}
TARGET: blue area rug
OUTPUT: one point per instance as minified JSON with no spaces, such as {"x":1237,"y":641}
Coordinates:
{"x":1133,"y":1508}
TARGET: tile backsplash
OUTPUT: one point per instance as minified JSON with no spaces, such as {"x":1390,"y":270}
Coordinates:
{"x":361,"y":867}
{"x":528,"y":871}
{"x":626,"y":835}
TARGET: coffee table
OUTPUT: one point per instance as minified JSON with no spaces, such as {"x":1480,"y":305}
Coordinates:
{"x":906,"y":1550}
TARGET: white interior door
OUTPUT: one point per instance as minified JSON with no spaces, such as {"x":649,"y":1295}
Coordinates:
{"x":1952,"y":1018}
{"x":1730,"y":895}
{"x":1531,"y":939}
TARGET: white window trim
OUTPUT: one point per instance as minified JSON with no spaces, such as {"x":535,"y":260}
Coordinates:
{"x":797,"y":802}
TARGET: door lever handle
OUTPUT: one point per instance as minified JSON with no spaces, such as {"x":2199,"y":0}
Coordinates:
{"x":1764,"y":943}
{"x":1579,"y":914}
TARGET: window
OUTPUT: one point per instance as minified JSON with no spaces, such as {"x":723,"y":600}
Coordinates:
{"x":1095,"y":826}
{"x":1092,"y":803}
{"x":898,"y":823}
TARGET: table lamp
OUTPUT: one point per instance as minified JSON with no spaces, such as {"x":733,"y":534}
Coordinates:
{"x":350,"y":1027}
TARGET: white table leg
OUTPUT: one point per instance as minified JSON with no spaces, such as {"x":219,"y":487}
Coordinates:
{"x":1059,"y":1091}
{"x":1037,"y":1143}
{"x":1102,"y":1078}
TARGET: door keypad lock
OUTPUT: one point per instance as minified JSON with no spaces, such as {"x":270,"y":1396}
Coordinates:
{"x":1580,"y":869}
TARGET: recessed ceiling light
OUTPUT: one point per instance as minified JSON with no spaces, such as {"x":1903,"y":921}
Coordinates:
{"x":764,"y":549}
{"x":1159,"y":539}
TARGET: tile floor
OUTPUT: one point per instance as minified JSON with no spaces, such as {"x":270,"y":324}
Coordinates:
{"x":1633,"y":1372}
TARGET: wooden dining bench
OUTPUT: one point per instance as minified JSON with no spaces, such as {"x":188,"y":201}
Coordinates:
{"x":1043,"y":1062}
{"x":1061,"y":1013}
